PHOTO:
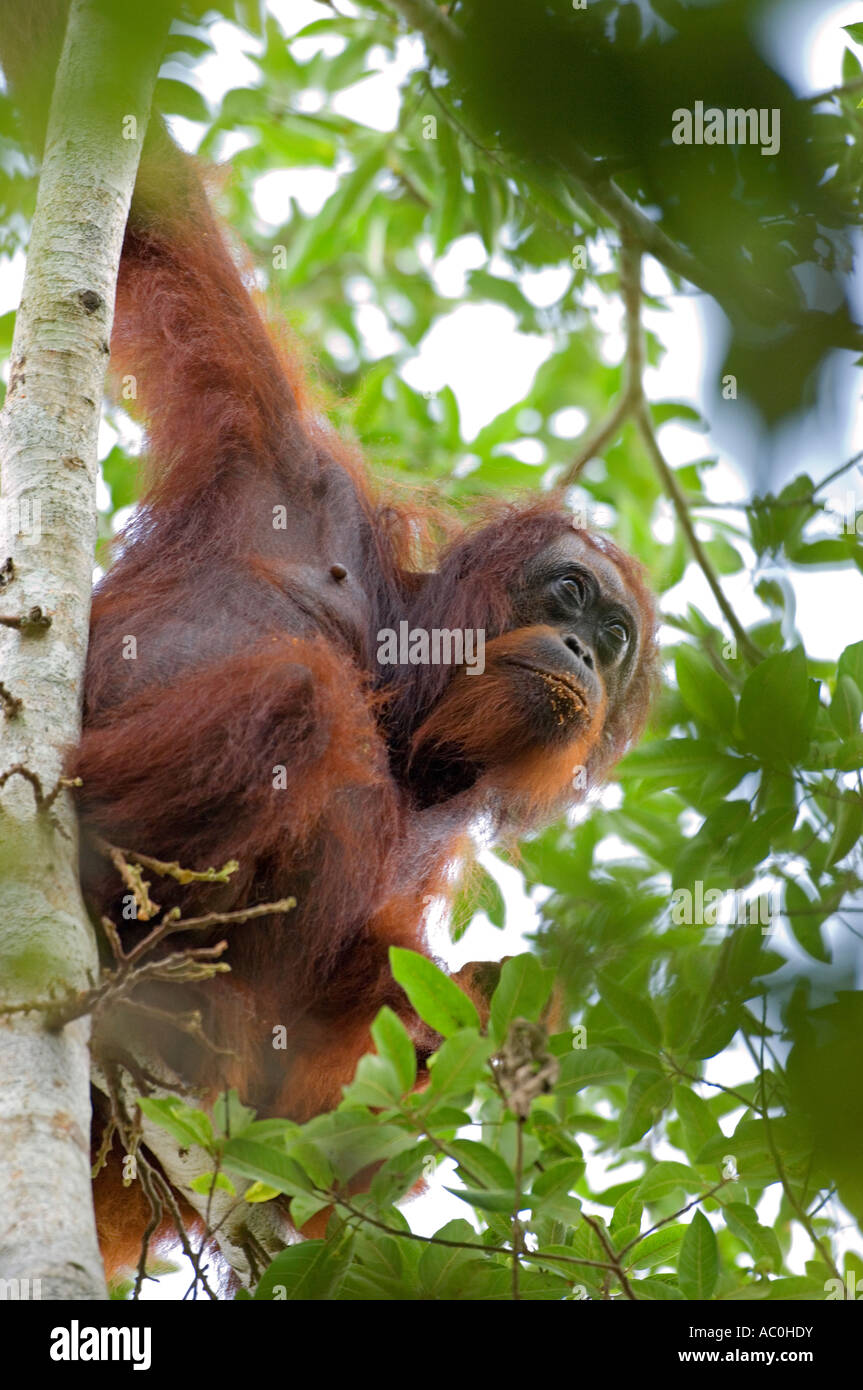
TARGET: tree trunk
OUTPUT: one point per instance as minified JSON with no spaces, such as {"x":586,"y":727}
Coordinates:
{"x":48,"y":470}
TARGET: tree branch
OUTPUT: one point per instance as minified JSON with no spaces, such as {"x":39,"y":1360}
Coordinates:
{"x":445,"y":42}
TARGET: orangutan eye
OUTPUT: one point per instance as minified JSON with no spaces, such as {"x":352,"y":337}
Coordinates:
{"x":574,"y":588}
{"x":617,"y":633}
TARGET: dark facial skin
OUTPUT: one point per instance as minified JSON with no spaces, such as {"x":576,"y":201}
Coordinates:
{"x":557,"y":674}
{"x":577,"y":591}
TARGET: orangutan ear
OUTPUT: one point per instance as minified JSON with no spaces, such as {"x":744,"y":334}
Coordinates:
{"x":480,"y":978}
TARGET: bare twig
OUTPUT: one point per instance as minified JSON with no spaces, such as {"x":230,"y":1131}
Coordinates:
{"x":666,"y":1220}
{"x":630,"y":280}
{"x":536,"y":1256}
{"x":192,"y":964}
{"x":783,"y":502}
{"x":517,"y":1229}
{"x":445,"y":38}
{"x":129,"y":862}
{"x":843,"y":89}
{"x":32,"y":623}
{"x":613,"y":1257}
{"x":672,"y":487}
{"x":633,"y":368}
{"x":167,"y":868}
{"x":157,"y":1189}
{"x":44,"y":800}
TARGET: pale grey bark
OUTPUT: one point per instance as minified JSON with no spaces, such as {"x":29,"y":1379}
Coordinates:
{"x":48,"y":469}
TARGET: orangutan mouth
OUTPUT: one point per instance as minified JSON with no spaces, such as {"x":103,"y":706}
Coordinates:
{"x":558,"y":680}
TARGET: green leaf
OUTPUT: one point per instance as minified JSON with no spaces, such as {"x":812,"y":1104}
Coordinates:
{"x":768,"y":832}
{"x":665,"y":1177}
{"x":393,"y":1042}
{"x":847,"y":830}
{"x":439,"y":1263}
{"x":805,"y":916}
{"x":7,"y":329}
{"x":187,"y":1125}
{"x":703,"y":690}
{"x":851,"y":67}
{"x":589,"y":1066}
{"x":484,"y":209}
{"x":637,"y":1013}
{"x":460,"y":1063}
{"x":851,"y":664}
{"x":376,"y":1084}
{"x":699,"y":1259}
{"x":797,"y":1288}
{"x":522,"y":992}
{"x":559,"y":1178}
{"x":760,"y":1240}
{"x":659,"y":1248}
{"x":673,"y":759}
{"x":718,"y":1030}
{"x":656,"y":1290}
{"x":321,"y":238}
{"x":663,"y":411}
{"x":269,"y":1131}
{"x":648,"y":1096}
{"x":726,"y":557}
{"x":230,"y":1117}
{"x":385,"y":1254}
{"x":311,"y":1159}
{"x":699,"y":1123}
{"x":395,"y":1178}
{"x":628,"y":1211}
{"x":751,"y":1151}
{"x":681,"y":1018}
{"x":776,"y":709}
{"x":260,"y":1163}
{"x":438,"y":1001}
{"x":260,"y":1192}
{"x":303,"y":1207}
{"x":480,"y":1164}
{"x":825,"y":552}
{"x":846,"y":707}
{"x":206,"y":1182}
{"x":312,"y":1270}
{"x":486,"y":1200}
{"x":446,"y":213}
{"x":353,"y":1139}
{"x":446,"y":1118}
{"x":250,"y":15}
{"x":118,"y":471}
{"x":585,"y":1243}
{"x":180,"y":99}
